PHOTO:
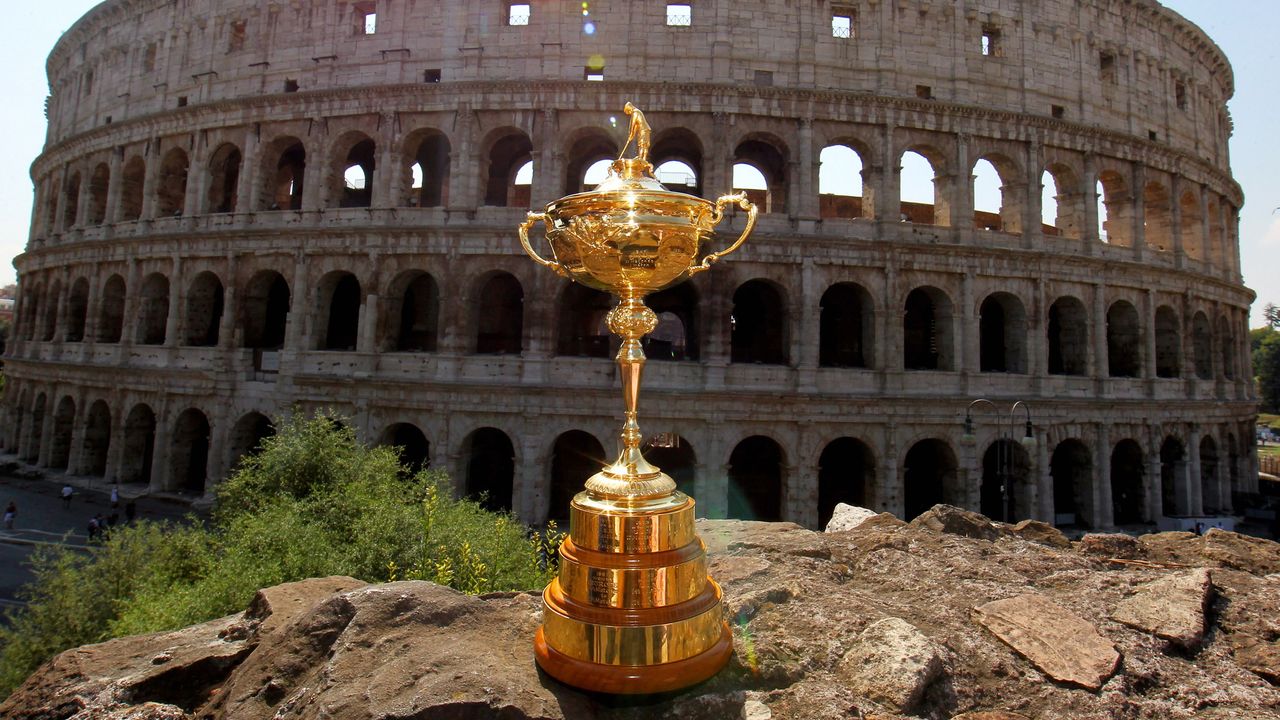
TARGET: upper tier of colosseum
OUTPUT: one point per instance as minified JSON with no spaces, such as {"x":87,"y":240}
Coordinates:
{"x":1130,"y":67}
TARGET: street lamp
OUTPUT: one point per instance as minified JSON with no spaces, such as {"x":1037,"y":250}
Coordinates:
{"x":1004,"y":454}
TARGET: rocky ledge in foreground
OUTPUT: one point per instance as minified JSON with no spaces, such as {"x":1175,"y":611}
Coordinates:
{"x":950,"y":616}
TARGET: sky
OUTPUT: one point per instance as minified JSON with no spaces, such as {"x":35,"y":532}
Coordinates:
{"x":1244,"y":29}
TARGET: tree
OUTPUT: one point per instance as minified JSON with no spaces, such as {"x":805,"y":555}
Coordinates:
{"x":1271,"y":314}
{"x":1266,"y":368}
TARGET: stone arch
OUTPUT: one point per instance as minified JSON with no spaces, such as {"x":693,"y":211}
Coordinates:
{"x":32,"y":304}
{"x":1210,"y":483}
{"x":189,"y":463}
{"x":411,"y":444}
{"x":921,"y":173}
{"x":926,"y":330}
{"x":284,"y":171}
{"x":846,"y":327}
{"x":507,"y":151}
{"x":490,"y":469}
{"x":247,"y":435}
{"x":930,"y":475}
{"x":575,"y":456}
{"x":756,"y":480}
{"x":412,"y":320}
{"x":111,"y":310}
{"x":767,"y":154}
{"x":1124,"y":340}
{"x":1002,"y":331}
{"x":996,"y":176}
{"x":339,"y":301}
{"x":132,"y":181}
{"x":1114,"y":203}
{"x":680,"y":462}
{"x":1202,"y":346}
{"x":351,"y":171}
{"x":499,"y":315}
{"x":1173,"y":470}
{"x":1157,"y":215}
{"x":171,"y":185}
{"x":427,"y":155}
{"x":99,"y":184}
{"x":204,"y":310}
{"x":841,"y":193}
{"x":139,"y":445}
{"x":1128,"y":493}
{"x":71,"y":201}
{"x":49,"y":322}
{"x":265,"y":310}
{"x":64,"y":420}
{"x":224,"y":179}
{"x":1071,"y":467}
{"x":677,"y":336}
{"x":759,"y":331}
{"x":1068,"y":334}
{"x":846,"y":474}
{"x":1007,"y":481}
{"x":1226,"y":348}
{"x":582,"y":330}
{"x":583,"y":149}
{"x":1192,"y":225}
{"x":97,"y":439}
{"x":77,"y":310}
{"x":1063,"y":210}
{"x":678,"y":145}
{"x":153,"y":310}
{"x":1168,"y":343}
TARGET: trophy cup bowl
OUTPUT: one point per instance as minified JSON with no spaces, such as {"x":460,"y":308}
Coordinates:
{"x":632,"y":609}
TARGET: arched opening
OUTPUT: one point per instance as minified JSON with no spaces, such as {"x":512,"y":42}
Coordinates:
{"x":429,"y":155}
{"x":64,"y":420}
{"x":340,"y":300}
{"x":1192,"y":225}
{"x":204,"y":310}
{"x":588,"y":158}
{"x":171,"y":186}
{"x":77,"y":310}
{"x":926,"y":330}
{"x":582,"y":331}
{"x":846,"y":327}
{"x":1068,"y":332}
{"x":1214,"y":250}
{"x":758,"y":324}
{"x":49,"y":325}
{"x":139,"y":445}
{"x":224,"y":179}
{"x":575,"y":456}
{"x":1210,"y":483}
{"x":768,"y":157}
{"x":1168,"y":343}
{"x":755,"y":480}
{"x":1061,"y":206}
{"x":677,"y":336}
{"x":988,"y":196}
{"x":247,"y":435}
{"x":410,"y":443}
{"x":500,"y":319}
{"x":920,"y":189}
{"x":508,"y":155}
{"x":413,"y":314}
{"x":840,"y":192}
{"x":111,"y":310}
{"x":1202,"y":346}
{"x":353,"y":172}
{"x":1124,"y":341}
{"x":1002,"y":330}
{"x":1157,"y":217}
{"x":677,"y":157}
{"x":190,"y":463}
{"x":97,"y":439}
{"x":32,"y":300}
{"x":153,"y":310}
{"x":1233,"y":467}
{"x":929,"y":477}
{"x":131,"y":188}
{"x":1071,"y":467}
{"x":1128,"y":499}
{"x":1226,"y":348}
{"x":99,"y":182}
{"x":265,"y":310}
{"x":1006,"y":481}
{"x":1114,"y":201}
{"x":284,"y":171}
{"x":677,"y":175}
{"x":71,"y":201}
{"x":679,"y":461}
{"x":846,"y":474}
{"x":38,"y":409}
{"x":1173,"y":471}
{"x":490,"y":468}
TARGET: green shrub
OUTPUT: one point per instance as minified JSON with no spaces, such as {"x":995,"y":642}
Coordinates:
{"x":312,"y":502}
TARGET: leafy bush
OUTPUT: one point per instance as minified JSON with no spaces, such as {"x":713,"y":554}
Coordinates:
{"x":312,"y":502}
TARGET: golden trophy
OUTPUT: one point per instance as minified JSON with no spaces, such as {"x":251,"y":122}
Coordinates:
{"x":633,"y":610}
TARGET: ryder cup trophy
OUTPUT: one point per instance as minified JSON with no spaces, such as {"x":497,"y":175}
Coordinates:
{"x":633,"y":610}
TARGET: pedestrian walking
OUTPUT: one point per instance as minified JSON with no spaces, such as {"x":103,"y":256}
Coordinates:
{"x":115,"y":496}
{"x":93,"y":528}
{"x":67,"y":492}
{"x":9,"y":514}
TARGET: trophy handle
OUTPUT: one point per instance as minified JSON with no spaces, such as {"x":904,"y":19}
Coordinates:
{"x":532,"y":219}
{"x":740,"y":199}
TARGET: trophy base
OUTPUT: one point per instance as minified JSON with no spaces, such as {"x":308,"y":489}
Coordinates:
{"x":632,"y":610}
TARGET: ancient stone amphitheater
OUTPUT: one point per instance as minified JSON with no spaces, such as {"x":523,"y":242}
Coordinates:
{"x":245,"y":207}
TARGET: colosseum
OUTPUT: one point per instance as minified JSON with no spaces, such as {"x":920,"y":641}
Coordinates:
{"x":246,"y":206}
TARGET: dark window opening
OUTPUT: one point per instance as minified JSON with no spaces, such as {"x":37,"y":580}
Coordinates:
{"x":342,"y":329}
{"x":153,"y":310}
{"x":490,"y":469}
{"x":846,"y":327}
{"x":431,"y":75}
{"x":500,"y":320}
{"x":758,"y":325}
{"x":846,"y":474}
{"x":755,"y":480}
{"x":265,"y":311}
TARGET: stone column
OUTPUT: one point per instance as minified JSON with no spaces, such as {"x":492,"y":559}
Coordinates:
{"x":1104,"y":509}
{"x":368,"y":321}
{"x":1149,"y":336}
{"x":386,"y":172}
{"x":1041,"y":500}
{"x":315,"y":176}
{"x":956,"y":190}
{"x":160,"y":458}
{"x":130,"y":322}
{"x":888,"y":198}
{"x":1191,"y":488}
{"x":115,"y":447}
{"x":296,"y":332}
{"x":806,"y":316}
{"x":1137,"y":201}
{"x":75,"y":454}
{"x":966,"y":336}
{"x":177,"y":292}
{"x":1175,"y":222}
{"x":46,"y":428}
{"x":1153,"y":490}
{"x":218,"y":462}
{"x":115,"y":190}
{"x":889,"y":492}
{"x":248,"y":186}
{"x":526,"y":485}
{"x":807,"y":178}
{"x":800,"y":504}
{"x":1033,"y":195}
{"x":1089,"y":193}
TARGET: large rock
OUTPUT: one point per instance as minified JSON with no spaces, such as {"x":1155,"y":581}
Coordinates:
{"x":957,"y":521}
{"x":892,"y":663}
{"x":1172,"y":608}
{"x":1040,"y":532}
{"x":1063,"y":646}
{"x":848,"y":517}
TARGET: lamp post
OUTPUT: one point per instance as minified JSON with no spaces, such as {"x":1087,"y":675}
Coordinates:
{"x":1004,"y":453}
